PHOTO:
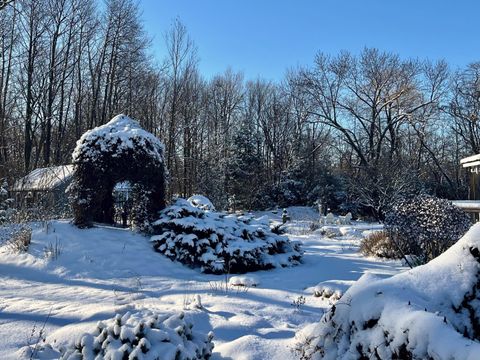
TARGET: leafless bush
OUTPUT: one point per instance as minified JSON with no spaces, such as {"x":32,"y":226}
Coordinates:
{"x":37,"y":338}
{"x":53,"y":250}
{"x":298,"y":302}
{"x":20,"y":240}
{"x":378,"y":244}
{"x":314,"y":225}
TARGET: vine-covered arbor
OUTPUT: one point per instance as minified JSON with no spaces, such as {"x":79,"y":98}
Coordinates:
{"x":115,"y":152}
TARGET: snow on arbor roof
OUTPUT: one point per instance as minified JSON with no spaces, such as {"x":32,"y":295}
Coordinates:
{"x":44,"y":178}
{"x":121,"y":131}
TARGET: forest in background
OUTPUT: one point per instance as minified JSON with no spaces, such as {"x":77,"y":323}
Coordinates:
{"x":353,"y":131}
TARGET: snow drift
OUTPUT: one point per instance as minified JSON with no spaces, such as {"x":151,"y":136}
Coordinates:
{"x":429,"y":312}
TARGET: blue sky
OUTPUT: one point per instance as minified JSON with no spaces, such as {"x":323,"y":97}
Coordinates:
{"x":265,"y":37}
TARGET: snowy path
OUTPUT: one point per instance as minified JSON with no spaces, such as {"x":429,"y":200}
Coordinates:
{"x":102,"y":271}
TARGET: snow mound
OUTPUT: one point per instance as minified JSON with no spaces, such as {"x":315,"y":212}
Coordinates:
{"x":432,"y":311}
{"x":329,"y":231}
{"x":331,"y":290}
{"x":244,"y":280}
{"x":220,"y":243}
{"x":201,"y":202}
{"x":118,"y":135}
{"x":348,"y":231}
{"x":142,"y":335}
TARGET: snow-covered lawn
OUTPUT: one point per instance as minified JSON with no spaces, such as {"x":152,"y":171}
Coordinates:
{"x":103,"y":271}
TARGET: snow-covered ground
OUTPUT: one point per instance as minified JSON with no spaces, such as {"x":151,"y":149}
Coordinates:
{"x":103,"y":271}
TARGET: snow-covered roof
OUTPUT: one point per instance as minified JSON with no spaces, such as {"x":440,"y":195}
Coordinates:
{"x":470,"y":161}
{"x":44,"y":178}
{"x":120,"y":133}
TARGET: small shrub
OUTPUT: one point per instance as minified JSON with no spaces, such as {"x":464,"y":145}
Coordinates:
{"x":298,"y":302}
{"x":53,"y":250}
{"x":379,"y":244}
{"x":330,"y":232}
{"x":327,"y":293}
{"x":20,"y":240}
{"x":425,"y":226}
{"x":278,"y":229}
{"x":314,"y":225}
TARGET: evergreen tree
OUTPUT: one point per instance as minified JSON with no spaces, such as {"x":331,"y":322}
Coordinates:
{"x":244,"y":167}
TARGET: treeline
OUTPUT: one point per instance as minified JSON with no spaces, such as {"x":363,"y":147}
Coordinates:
{"x":351,"y":131}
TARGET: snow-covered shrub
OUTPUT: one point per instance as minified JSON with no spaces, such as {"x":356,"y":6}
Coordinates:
{"x":3,"y":190}
{"x":116,"y":152}
{"x":331,"y":290}
{"x":326,"y":292}
{"x":5,"y":203}
{"x":378,"y":244}
{"x":244,"y":280}
{"x":429,"y":312}
{"x":425,"y":226}
{"x":329,"y":231}
{"x":220,"y":243}
{"x":142,"y":335}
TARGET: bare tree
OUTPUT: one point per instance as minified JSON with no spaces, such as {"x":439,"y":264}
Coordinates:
{"x":4,"y":3}
{"x":180,"y":63}
{"x":464,"y":106}
{"x":370,"y":101}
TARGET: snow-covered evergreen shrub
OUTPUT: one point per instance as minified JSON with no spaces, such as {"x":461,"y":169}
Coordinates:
{"x":220,"y":243}
{"x":425,"y":226}
{"x":429,"y":312}
{"x":138,"y":336}
{"x":115,"y":152}
{"x":5,"y":202}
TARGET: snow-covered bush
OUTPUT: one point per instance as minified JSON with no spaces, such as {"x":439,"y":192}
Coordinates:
{"x":220,"y":243}
{"x":425,"y":226}
{"x":329,"y":231}
{"x":142,"y":335}
{"x":327,"y":292}
{"x":429,"y":312}
{"x":244,"y":280}
{"x":5,"y":203}
{"x":116,"y":152}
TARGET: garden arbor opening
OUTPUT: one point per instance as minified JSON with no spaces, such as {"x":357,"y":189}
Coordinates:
{"x":116,"y":152}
